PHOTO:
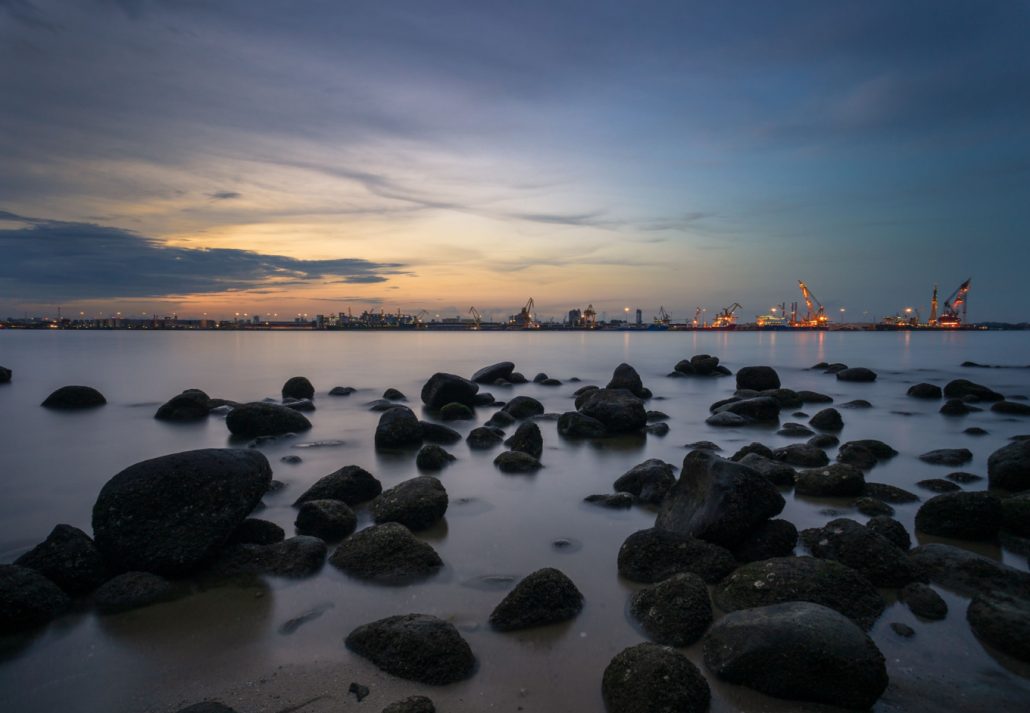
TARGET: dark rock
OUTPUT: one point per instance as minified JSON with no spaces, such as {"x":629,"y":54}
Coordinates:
{"x":190,"y":405}
{"x":417,"y":647}
{"x":871,"y":507}
{"x":827,"y":420}
{"x":653,"y":555}
{"x":207,"y":707}
{"x":329,"y":520}
{"x":540,"y":378}
{"x":889,"y":493}
{"x":878,"y":448}
{"x":501,"y":419}
{"x":773,"y":538}
{"x":860,"y":403}
{"x":618,"y":501}
{"x":546,"y":596}
{"x":360,"y":692}
{"x":938,"y":485}
{"x":298,"y":387}
{"x":975,"y":431}
{"x":386,"y":553}
{"x":442,"y":389}
{"x":754,"y":447}
{"x":69,"y":559}
{"x":823,"y":440}
{"x":263,"y":419}
{"x":923,"y":601}
{"x":704,"y":365}
{"x":834,"y":368}
{"x":726,"y":419}
{"x":654,"y":416}
{"x":626,"y":377}
{"x":299,"y":404}
{"x":619,"y":410}
{"x":517,"y":378}
{"x":5,"y":375}
{"x":925,"y":391}
{"x":291,"y":460}
{"x":381,"y":405}
{"x":573,"y":424}
{"x":704,"y":446}
{"x":1015,"y":512}
{"x":648,"y":678}
{"x":718,"y":500}
{"x":962,"y":388}
{"x":857,"y":455}
{"x":967,"y":573}
{"x":787,"y":398}
{"x":438,"y":433}
{"x":837,"y":480}
{"x":342,"y":391}
{"x":392,"y":394}
{"x":74,"y":397}
{"x":483,"y":438}
{"x":760,"y":408}
{"x":1003,"y":621}
{"x":484,"y":399}
{"x":798,"y":651}
{"x":522,"y":407}
{"x":27,"y":599}
{"x":1012,"y":408}
{"x":674,"y":612}
{"x":657,"y":429}
{"x":584,"y":389}
{"x":417,"y":503}
{"x":517,"y":462}
{"x":964,"y":478}
{"x":856,"y":373}
{"x":902,"y":629}
{"x":351,"y":484}
{"x":968,"y":516}
{"x":456,"y":412}
{"x":490,"y":374}
{"x":398,"y":428}
{"x":758,"y":378}
{"x":1008,"y":468}
{"x":293,"y":558}
{"x":801,"y":455}
{"x":891,"y":529}
{"x":433,"y":458}
{"x":795,"y":430}
{"x":862,"y":549}
{"x":649,"y":481}
{"x":947,"y":456}
{"x":774,"y":471}
{"x":955,"y":407}
{"x":814,"y":397}
{"x":550,"y":382}
{"x":132,"y":590}
{"x":167,"y":515}
{"x":412,"y":704}
{"x":253,"y":531}
{"x":527,"y":439}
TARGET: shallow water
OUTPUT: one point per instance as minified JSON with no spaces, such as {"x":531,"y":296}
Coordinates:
{"x":226,"y":642}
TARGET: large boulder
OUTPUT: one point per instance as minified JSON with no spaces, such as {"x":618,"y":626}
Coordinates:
{"x":292,"y":558}
{"x":968,"y":390}
{"x":169,"y":514}
{"x":674,"y":612}
{"x":190,"y":405}
{"x":27,"y":599}
{"x":649,"y":481}
{"x":837,"y":480}
{"x":131,"y":590}
{"x":522,"y":407}
{"x":417,"y":647}
{"x":298,"y":387}
{"x":757,"y":378}
{"x":1003,"y":621}
{"x":798,"y":651}
{"x":442,"y":389}
{"x":967,"y":516}
{"x":619,"y":410}
{"x":653,"y":555}
{"x":805,"y":579}
{"x":546,"y":596}
{"x":527,"y":439}
{"x":490,"y":374}
{"x":856,"y":373}
{"x":718,"y":500}
{"x":626,"y":377}
{"x":352,"y":484}
{"x":967,"y":572}
{"x":573,"y":424}
{"x":648,"y":678}
{"x":68,"y":558}
{"x":264,"y":419}
{"x":398,"y":428}
{"x":1008,"y":468}
{"x":74,"y":397}
{"x":417,"y":503}
{"x":862,"y":549}
{"x":388,"y":554}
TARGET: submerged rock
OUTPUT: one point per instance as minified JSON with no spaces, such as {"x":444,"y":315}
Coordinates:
{"x":442,"y":389}
{"x":923,"y":601}
{"x":298,"y":387}
{"x":490,"y":374}
{"x":967,"y":572}
{"x":947,"y":456}
{"x":963,"y":389}
{"x":649,"y":481}
{"x":433,"y":458}
{"x":263,"y":419}
{"x":618,"y":501}
{"x":856,"y":373}
{"x":417,"y":503}
{"x":456,"y":412}
{"x":28,"y":599}
{"x":253,"y":531}
{"x":619,"y":410}
{"x":774,"y":471}
{"x":483,"y":438}
{"x":438,"y":433}
{"x":398,"y":428}
{"x":758,"y":378}
{"x":388,"y":554}
{"x":968,"y":516}
{"x":828,"y":419}
{"x":352,"y":484}
{"x":1003,"y":621}
{"x":132,"y":590}
{"x":190,"y":405}
{"x":544,"y":597}
{"x":864,"y":550}
{"x":653,"y":555}
{"x":517,"y":462}
{"x":527,"y":439}
{"x":522,"y":407}
{"x":648,"y":678}
{"x":74,"y":397}
{"x":329,"y":520}
{"x":674,"y":612}
{"x":417,"y":647}
{"x":293,"y":558}
{"x":837,"y":480}
{"x":412,"y":704}
{"x":925,"y":391}
{"x":68,"y":558}
{"x":801,"y":455}
{"x":1008,"y":468}
{"x":5,"y":375}
{"x":573,"y":424}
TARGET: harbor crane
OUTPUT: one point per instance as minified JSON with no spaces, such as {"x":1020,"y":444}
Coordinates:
{"x":816,"y":316}
{"x":697,"y":317}
{"x":950,"y":316}
{"x":727,"y":318}
{"x":476,"y":317}
{"x":662,"y":317}
{"x":525,"y":319}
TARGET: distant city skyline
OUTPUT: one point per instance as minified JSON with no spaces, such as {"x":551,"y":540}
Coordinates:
{"x":266,"y":157}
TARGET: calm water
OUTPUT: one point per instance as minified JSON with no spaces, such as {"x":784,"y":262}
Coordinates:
{"x":224,"y":642}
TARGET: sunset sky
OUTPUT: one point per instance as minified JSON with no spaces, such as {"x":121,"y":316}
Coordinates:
{"x":269,"y":156}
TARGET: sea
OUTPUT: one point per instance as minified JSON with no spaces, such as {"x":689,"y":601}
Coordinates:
{"x":228,"y":642}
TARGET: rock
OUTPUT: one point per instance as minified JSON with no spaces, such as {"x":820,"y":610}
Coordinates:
{"x":522,"y":407}
{"x":380,"y":405}
{"x":392,"y":394}
{"x":878,"y":448}
{"x":517,"y":462}
{"x":968,"y":573}
{"x":703,"y":446}
{"x":168,"y":514}
{"x":925,"y":391}
{"x":417,"y":647}
{"x":862,"y":549}
{"x":190,"y":405}
{"x":207,"y":707}
{"x":433,"y":458}
{"x":342,"y":391}
{"x":653,"y":555}
{"x":456,"y":412}
{"x":773,"y":538}
{"x":388,"y":554}
{"x":417,"y":503}
{"x":1003,"y":621}
{"x":1012,"y":408}
{"x":967,"y":516}
{"x":892,"y":530}
{"x":398,"y":428}
{"x":299,"y":404}
{"x":263,"y":419}
{"x":442,"y":389}
{"x":74,"y":397}
{"x":483,"y":438}
{"x":872,"y":507}
{"x":412,"y":704}
{"x":132,"y":590}
{"x":655,"y":416}
{"x":798,"y":651}
{"x":517,"y":378}
{"x":718,"y":500}
{"x":862,"y":403}
{"x":806,"y":579}
{"x":823,"y":440}
{"x":787,"y":398}
{"x":351,"y":484}
{"x":293,"y":558}
{"x":619,"y":410}
{"x":490,"y":374}
{"x":955,"y":407}
{"x":69,"y":559}
{"x":814,"y":397}
{"x":754,"y":447}
{"x":1008,"y":468}
{"x":902,"y":629}
{"x":947,"y":456}
{"x":938,"y":485}
{"x":501,"y":419}
{"x":527,"y":439}
{"x":795,"y":430}
{"x":702,"y":365}
{"x":5,"y":375}
{"x":438,"y":433}
{"x":298,"y":387}
{"x":965,"y":478}
{"x":889,"y":493}
{"x":253,"y":531}
{"x":801,"y":455}
{"x":760,"y":408}
{"x":923,"y":601}
{"x":963,"y":388}
{"x":27,"y":599}
{"x":856,"y":373}
{"x":827,"y":420}
{"x":834,"y":368}
{"x":1015,"y":514}
{"x":540,"y":378}
{"x":618,"y":501}
{"x":975,"y":431}
{"x":674,"y":612}
{"x":837,"y":480}
{"x":546,"y":596}
{"x":728,"y":420}
{"x":360,"y":692}
{"x":856,"y":455}
{"x":758,"y":378}
{"x":648,"y":481}
{"x":573,"y":424}
{"x":657,"y":429}
{"x":648,"y":678}
{"x":626,"y":377}
{"x":329,"y":520}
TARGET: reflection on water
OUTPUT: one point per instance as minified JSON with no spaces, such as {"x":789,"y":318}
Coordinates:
{"x":226,"y":642}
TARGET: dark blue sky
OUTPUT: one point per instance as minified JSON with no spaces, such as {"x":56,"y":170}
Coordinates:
{"x":417,"y":154}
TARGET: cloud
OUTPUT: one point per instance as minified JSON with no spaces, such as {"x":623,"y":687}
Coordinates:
{"x":55,"y":260}
{"x":224,"y":195}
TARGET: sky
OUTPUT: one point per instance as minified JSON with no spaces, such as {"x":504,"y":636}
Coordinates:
{"x":283,"y":157}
